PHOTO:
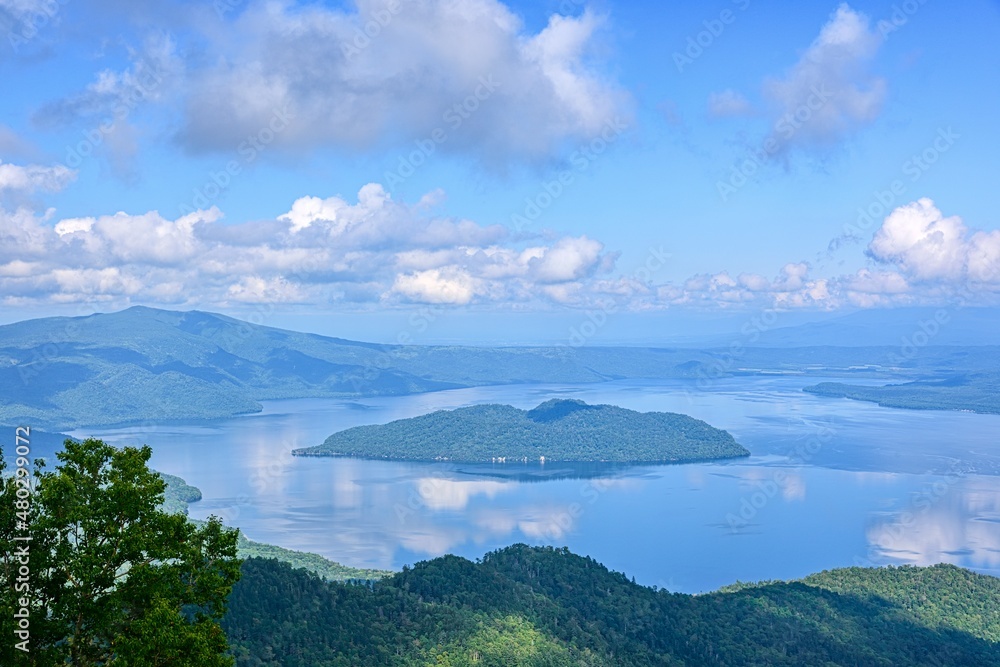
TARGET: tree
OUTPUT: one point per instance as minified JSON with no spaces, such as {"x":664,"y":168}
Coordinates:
{"x":113,"y":579}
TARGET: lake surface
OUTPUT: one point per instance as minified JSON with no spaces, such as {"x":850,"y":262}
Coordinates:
{"x":831,"y":483}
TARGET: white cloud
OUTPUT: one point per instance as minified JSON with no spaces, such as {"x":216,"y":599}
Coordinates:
{"x":374,"y":250}
{"x":22,"y":7}
{"x":466,"y":67}
{"x":829,"y":93}
{"x":568,"y":259}
{"x":918,"y":256}
{"x":926,"y":246}
{"x":451,"y":286}
{"x":113,"y":95}
{"x":33,"y":177}
{"x":107,"y":108}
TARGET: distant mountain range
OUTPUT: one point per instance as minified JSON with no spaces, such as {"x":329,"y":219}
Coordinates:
{"x":145,"y":364}
{"x":896,"y":326}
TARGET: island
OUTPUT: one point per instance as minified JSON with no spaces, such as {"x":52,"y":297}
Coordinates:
{"x":975,"y":392}
{"x":563,"y":430}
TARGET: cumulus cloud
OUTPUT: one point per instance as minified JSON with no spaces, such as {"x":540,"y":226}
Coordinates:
{"x":392,"y":73}
{"x":568,"y":259}
{"x":373,"y":250}
{"x":452,"y":286}
{"x":918,"y":256}
{"x":830,"y":92}
{"x":34,"y":177}
{"x":927,"y":246}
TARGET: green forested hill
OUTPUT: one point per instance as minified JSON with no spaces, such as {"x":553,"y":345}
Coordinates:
{"x":558,"y":430}
{"x":977,"y":392}
{"x":547,"y":607}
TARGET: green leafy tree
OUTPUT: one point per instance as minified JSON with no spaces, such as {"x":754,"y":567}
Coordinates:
{"x":114,"y":580}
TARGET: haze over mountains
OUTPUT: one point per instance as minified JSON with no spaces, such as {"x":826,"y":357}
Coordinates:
{"x":146,"y":364}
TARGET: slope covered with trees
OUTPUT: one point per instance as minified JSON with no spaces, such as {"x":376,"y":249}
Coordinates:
{"x":976,"y":392}
{"x":557,"y":430}
{"x":94,"y":572}
{"x":548,"y":607}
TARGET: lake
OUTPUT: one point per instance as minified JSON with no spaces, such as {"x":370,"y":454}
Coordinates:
{"x":831,"y":483}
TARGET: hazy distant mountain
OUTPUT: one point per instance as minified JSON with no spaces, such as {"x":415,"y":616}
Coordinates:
{"x":897,"y":326}
{"x":144,"y":364}
{"x":147,"y":364}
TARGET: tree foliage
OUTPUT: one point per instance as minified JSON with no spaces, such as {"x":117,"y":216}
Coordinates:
{"x":546,"y":606}
{"x":558,"y":430}
{"x":113,"y":579}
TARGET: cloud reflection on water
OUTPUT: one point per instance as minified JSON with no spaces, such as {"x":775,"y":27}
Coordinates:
{"x":960,"y":526}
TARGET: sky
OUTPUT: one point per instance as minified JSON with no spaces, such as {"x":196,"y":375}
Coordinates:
{"x":481,"y":170}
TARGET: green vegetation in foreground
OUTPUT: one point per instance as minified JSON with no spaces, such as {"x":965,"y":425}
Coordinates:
{"x":179,"y":494}
{"x":973,"y":392}
{"x":94,"y":572}
{"x":557,"y":430}
{"x":535,"y":607}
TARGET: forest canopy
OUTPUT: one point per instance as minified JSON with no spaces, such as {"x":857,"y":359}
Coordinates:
{"x":556,"y":430}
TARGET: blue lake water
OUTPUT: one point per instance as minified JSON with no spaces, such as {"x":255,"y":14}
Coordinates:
{"x":831,"y":483}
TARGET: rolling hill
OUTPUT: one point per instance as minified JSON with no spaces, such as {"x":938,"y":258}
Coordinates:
{"x":546,"y":607}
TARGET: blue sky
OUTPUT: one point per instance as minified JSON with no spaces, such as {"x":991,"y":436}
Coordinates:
{"x":272,"y":158}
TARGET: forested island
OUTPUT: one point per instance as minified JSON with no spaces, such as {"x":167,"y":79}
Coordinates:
{"x":556,"y":430}
{"x":976,"y":392}
{"x":546,"y":607}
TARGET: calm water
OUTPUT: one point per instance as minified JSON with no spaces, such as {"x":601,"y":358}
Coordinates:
{"x":831,"y":483}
